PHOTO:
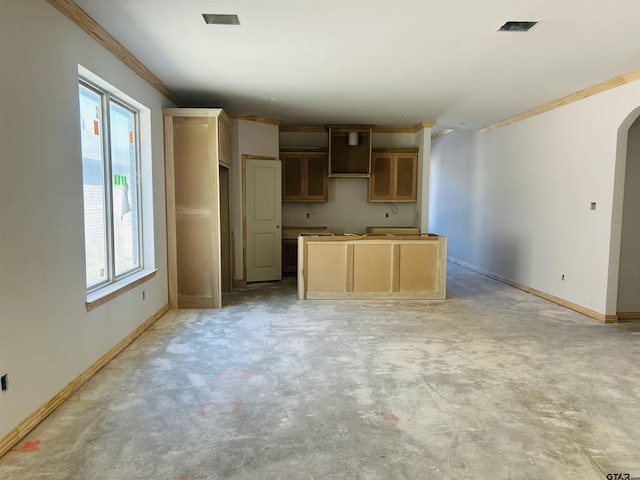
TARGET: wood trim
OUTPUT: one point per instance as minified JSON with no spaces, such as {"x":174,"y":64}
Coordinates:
{"x":341,"y":128}
{"x":395,"y":150}
{"x":422,"y":125}
{"x":304,"y":150}
{"x":614,"y":82}
{"x":628,"y":315}
{"x":303,"y":129}
{"x":547,"y":296}
{"x":28,"y":424}
{"x":416,"y":128}
{"x":136,"y":279}
{"x":83,"y":20}
{"x":394,"y":130}
{"x":255,"y":118}
{"x":197,"y":112}
{"x":441,"y":133}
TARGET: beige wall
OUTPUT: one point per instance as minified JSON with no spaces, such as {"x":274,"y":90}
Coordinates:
{"x":247,"y":138}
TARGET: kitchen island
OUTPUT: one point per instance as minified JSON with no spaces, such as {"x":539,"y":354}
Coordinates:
{"x":372,"y":267}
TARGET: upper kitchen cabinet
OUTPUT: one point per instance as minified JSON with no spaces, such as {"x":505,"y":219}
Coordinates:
{"x":394,"y":175}
{"x":349,"y":150}
{"x":304,"y":176}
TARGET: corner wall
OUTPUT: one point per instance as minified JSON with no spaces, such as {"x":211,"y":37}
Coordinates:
{"x":47,"y":338}
{"x":515,"y":201}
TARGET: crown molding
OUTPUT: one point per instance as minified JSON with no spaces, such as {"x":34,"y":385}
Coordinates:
{"x":441,"y":133}
{"x":614,"y":82}
{"x":83,"y":20}
{"x":255,"y":118}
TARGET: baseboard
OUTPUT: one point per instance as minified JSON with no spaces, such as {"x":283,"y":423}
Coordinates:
{"x":628,"y":315}
{"x":239,"y":281}
{"x":552,"y":298}
{"x":28,"y":424}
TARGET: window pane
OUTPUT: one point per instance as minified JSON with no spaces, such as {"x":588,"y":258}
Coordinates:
{"x":124,"y":173}
{"x":93,"y":181}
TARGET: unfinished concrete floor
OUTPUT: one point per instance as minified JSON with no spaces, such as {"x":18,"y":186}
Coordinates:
{"x":492,"y":383}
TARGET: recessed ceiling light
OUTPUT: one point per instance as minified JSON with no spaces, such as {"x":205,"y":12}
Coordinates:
{"x":220,"y":19}
{"x":516,"y":26}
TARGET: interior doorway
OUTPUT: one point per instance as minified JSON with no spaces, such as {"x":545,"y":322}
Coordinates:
{"x":262,"y":196}
{"x":628,"y":301}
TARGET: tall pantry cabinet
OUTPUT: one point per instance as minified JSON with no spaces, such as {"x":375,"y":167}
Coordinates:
{"x":196,"y":152}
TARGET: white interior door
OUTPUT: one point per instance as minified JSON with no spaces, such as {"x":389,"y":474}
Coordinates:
{"x":263,"y":216}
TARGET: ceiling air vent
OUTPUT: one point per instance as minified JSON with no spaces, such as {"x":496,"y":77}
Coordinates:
{"x":516,"y":26}
{"x":220,"y":19}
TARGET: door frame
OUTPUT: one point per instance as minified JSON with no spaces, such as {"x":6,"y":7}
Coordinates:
{"x":246,"y":157}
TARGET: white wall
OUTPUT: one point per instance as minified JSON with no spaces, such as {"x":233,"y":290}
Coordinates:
{"x":47,"y":338}
{"x":452,"y":188}
{"x":247,"y":138}
{"x":347,"y":209}
{"x":516,"y":201}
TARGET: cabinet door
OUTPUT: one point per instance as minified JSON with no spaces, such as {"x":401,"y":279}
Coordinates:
{"x":381,"y":180}
{"x":315,"y":177}
{"x":292,"y":174}
{"x":406,"y":177}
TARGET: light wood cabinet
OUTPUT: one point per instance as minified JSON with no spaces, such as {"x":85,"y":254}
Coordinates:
{"x":304,"y":176}
{"x":394,"y":175}
{"x":349,"y":159}
{"x":196,"y":147}
{"x":342,"y":267}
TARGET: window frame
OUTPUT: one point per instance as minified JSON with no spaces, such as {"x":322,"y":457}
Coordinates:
{"x":113,"y":282}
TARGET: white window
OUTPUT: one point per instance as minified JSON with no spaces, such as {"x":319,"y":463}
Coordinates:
{"x":109,"y":129}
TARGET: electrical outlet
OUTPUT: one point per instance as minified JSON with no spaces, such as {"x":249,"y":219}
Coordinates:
{"x":563,"y":277}
{"x":4,"y":381}
{"x":308,"y":215}
{"x":386,"y":215}
{"x":593,"y":205}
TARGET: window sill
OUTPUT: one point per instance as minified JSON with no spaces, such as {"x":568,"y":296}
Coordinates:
{"x":102,"y":296}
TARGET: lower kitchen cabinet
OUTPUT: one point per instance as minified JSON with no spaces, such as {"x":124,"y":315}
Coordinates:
{"x":290,"y":245}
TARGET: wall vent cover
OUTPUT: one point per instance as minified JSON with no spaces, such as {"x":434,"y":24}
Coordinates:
{"x":516,"y":26}
{"x":220,"y":19}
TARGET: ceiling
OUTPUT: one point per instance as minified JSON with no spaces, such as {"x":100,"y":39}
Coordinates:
{"x":389,"y":63}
